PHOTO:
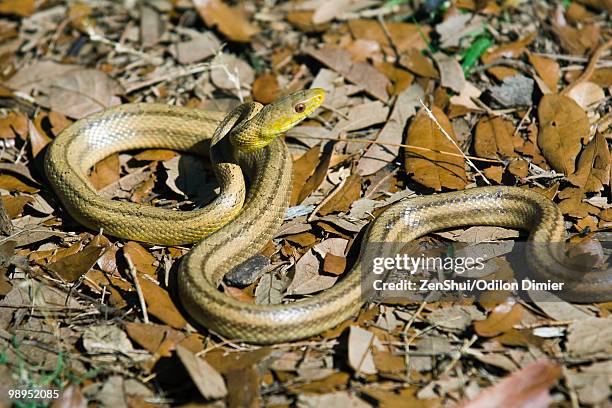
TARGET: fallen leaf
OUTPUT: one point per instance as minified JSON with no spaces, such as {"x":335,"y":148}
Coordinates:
{"x":266,"y":89}
{"x":590,"y":336}
{"x":105,"y":172}
{"x":229,"y":71}
{"x":231,"y":21}
{"x":379,"y":155}
{"x":22,"y":8}
{"x":14,"y":204}
{"x":360,"y":343}
{"x":547,"y":69}
{"x":451,"y":73}
{"x":493,"y":138}
{"x":343,"y":198}
{"x":587,"y":94}
{"x":433,"y":169}
{"x":500,"y":320}
{"x":563,"y":126}
{"x":199,"y":47}
{"x":593,"y":169}
{"x":302,"y":169}
{"x":510,"y":50}
{"x":515,"y":90}
{"x":150,"y":336}
{"x":208,"y":381}
{"x":405,"y":36}
{"x":457,"y":26}
{"x":160,"y":305}
{"x":360,"y":73}
{"x":307,"y":279}
{"x":72,"y":267}
{"x":336,"y":399}
{"x":418,"y":63}
{"x":13,"y":124}
{"x":14,"y":184}
{"x":141,"y":258}
{"x":528,"y":387}
{"x":334,"y":264}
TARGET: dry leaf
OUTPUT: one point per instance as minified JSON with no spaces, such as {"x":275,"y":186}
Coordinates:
{"x":22,"y":8}
{"x":266,"y":89}
{"x":13,"y":124}
{"x":493,"y":138}
{"x":590,"y":336}
{"x":511,"y":50}
{"x":405,"y":36}
{"x":500,"y":320}
{"x":160,"y":305}
{"x":360,"y":356}
{"x":231,"y":21}
{"x":593,"y":170}
{"x":451,"y":73}
{"x":208,"y":381}
{"x":360,"y":73}
{"x":563,"y":126}
{"x":418,"y":63}
{"x":587,"y":94}
{"x":432,"y":169}
{"x":13,"y":184}
{"x":343,"y":198}
{"x":547,"y":69}
{"x":72,"y":267}
{"x":379,"y":155}
{"x":82,"y":92}
{"x":141,"y":258}
{"x":105,"y":172}
{"x":302,"y":169}
{"x":528,"y":387}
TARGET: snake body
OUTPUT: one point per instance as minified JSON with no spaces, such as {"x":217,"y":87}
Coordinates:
{"x":241,"y":221}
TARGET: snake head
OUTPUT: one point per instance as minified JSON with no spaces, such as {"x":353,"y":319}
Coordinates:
{"x":283,"y":114}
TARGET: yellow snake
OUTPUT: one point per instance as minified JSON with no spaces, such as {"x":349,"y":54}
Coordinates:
{"x":245,"y":142}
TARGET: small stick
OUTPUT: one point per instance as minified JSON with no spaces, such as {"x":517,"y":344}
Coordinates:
{"x":141,"y":299}
{"x":406,"y":146}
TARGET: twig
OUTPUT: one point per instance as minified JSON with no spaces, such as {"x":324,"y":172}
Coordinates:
{"x":141,"y":299}
{"x":405,"y":146}
{"x":590,"y":68}
{"x":433,"y":118}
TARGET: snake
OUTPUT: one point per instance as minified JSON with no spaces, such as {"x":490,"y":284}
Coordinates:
{"x":254,"y":170}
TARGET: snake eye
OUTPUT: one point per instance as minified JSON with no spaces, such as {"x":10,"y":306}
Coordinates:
{"x":299,"y":108}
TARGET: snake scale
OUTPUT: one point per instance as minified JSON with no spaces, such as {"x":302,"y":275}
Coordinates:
{"x":241,"y":220}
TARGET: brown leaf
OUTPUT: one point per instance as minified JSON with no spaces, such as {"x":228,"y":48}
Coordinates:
{"x":520,"y":168}
{"x":37,"y":136}
{"x":71,"y":397}
{"x":160,"y":305}
{"x":577,"y":41}
{"x":360,"y":73}
{"x":563,"y":125}
{"x":593,"y":170}
{"x":266,"y":89}
{"x":208,"y":381}
{"x":547,"y":69}
{"x":399,"y":77}
{"x":302,"y":169}
{"x":493,"y":138}
{"x":150,"y":336}
{"x":315,"y":180}
{"x":14,"y":184}
{"x":360,"y":342}
{"x":22,"y":8}
{"x":343,"y":198}
{"x":527,"y":387}
{"x":231,"y":21}
{"x":81,"y":92}
{"x":302,"y":20}
{"x":141,"y":258}
{"x":494,"y":173}
{"x":451,"y":73}
{"x":405,"y":36}
{"x":334,"y":264}
{"x":13,"y":124}
{"x":433,"y":169}
{"x":105,"y":172}
{"x":156,"y":155}
{"x":14,"y":204}
{"x":419,"y":64}
{"x":586,"y":94}
{"x":511,"y":50}
{"x":245,"y":385}
{"x":72,"y":267}
{"x":378,"y":156}
{"x":500,"y":320}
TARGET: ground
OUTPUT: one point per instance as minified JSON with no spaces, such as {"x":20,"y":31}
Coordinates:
{"x":422,"y":98}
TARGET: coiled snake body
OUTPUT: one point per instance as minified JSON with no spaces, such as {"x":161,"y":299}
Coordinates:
{"x":245,"y":142}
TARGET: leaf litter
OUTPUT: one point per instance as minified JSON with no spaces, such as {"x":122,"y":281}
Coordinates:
{"x":98,"y":318}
